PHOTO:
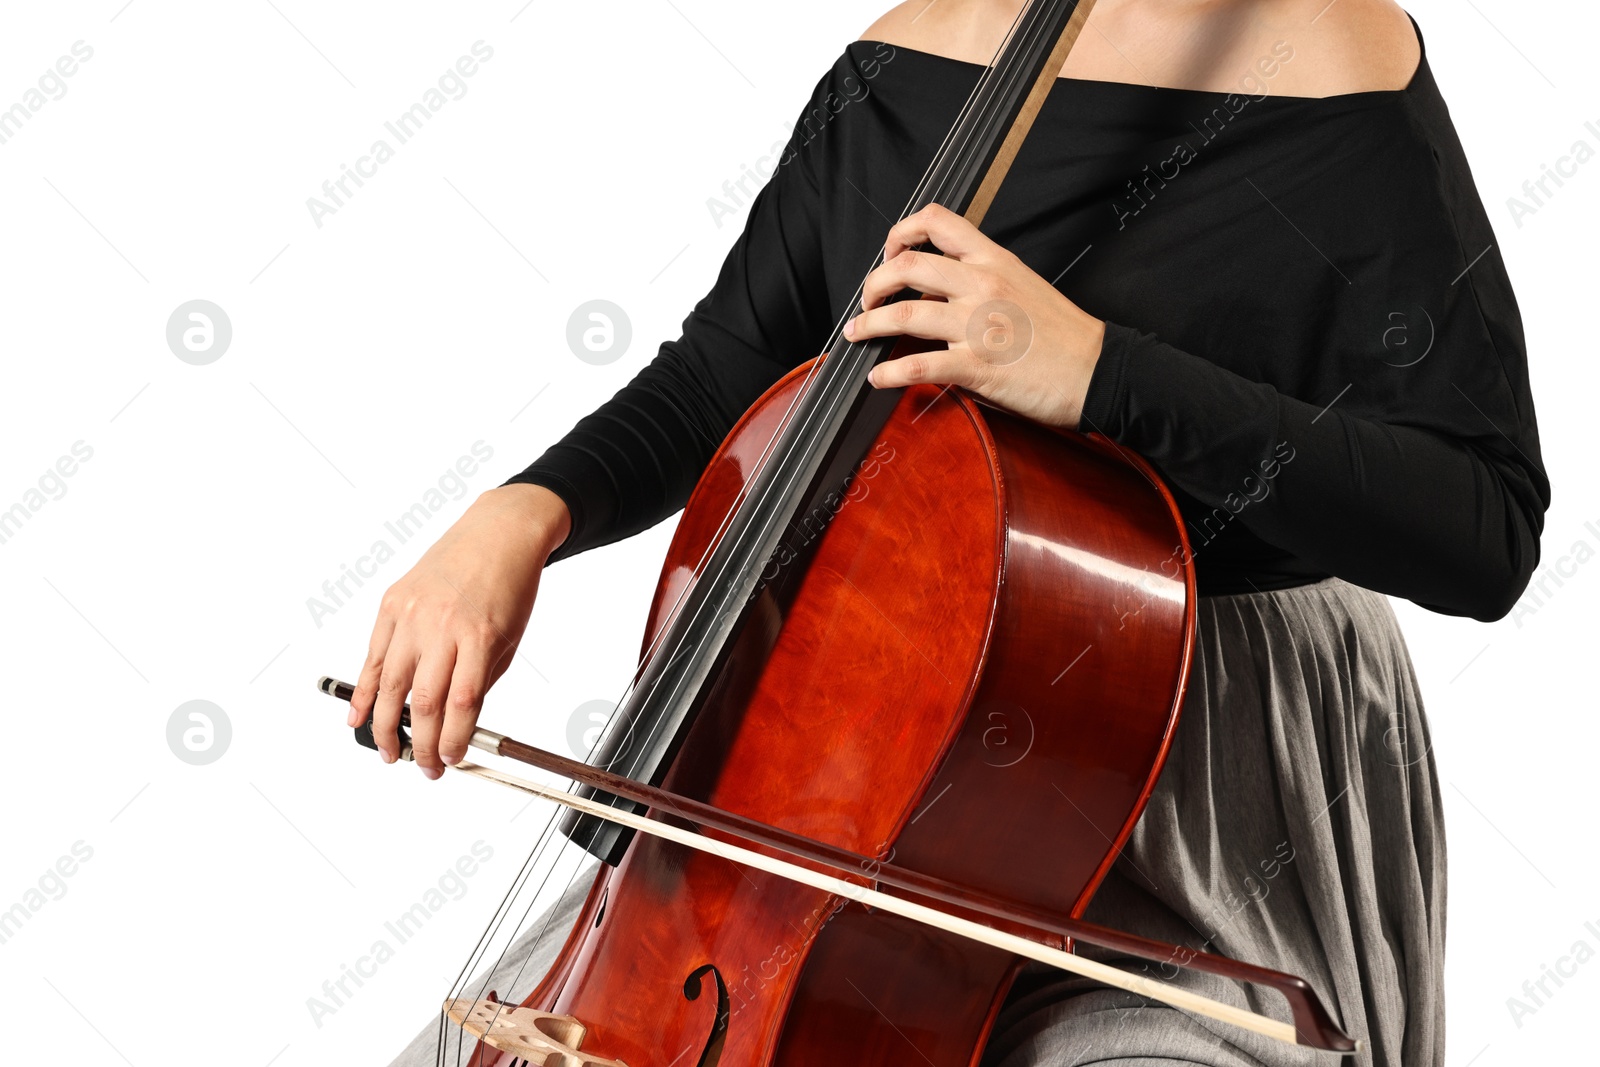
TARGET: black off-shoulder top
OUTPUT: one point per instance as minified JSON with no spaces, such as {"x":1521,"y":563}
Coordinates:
{"x":1310,"y":331}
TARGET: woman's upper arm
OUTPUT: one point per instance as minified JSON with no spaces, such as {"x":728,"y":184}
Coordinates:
{"x":634,"y":460}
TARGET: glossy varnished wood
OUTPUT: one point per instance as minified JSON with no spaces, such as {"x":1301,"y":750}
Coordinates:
{"x":979,"y":673}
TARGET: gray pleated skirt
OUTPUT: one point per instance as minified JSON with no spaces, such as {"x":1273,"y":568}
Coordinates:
{"x":1297,"y":825}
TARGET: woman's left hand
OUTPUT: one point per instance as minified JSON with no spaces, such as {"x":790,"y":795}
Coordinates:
{"x":1013,"y":338}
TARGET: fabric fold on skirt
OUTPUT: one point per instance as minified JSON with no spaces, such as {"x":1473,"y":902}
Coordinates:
{"x":1297,"y":825}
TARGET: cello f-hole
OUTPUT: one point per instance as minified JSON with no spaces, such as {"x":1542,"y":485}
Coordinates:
{"x":712,"y":1053}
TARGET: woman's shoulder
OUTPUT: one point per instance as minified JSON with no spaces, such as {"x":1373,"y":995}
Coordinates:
{"x":968,"y":30}
{"x":1347,"y":46}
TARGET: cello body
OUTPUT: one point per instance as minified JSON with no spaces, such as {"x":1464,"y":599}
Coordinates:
{"x":976,"y":672}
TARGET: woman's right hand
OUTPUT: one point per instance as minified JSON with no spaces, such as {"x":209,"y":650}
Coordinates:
{"x":447,"y":630}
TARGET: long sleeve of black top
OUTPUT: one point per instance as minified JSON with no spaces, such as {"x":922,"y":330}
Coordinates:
{"x":1310,"y":331}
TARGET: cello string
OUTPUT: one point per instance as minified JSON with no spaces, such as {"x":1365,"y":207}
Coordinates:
{"x":508,"y":996}
{"x":821,"y":366}
{"x":850,"y":355}
{"x":824,"y":366}
{"x":502,"y":911}
{"x":458,"y":985}
{"x":849,"y":360}
{"x":1031,"y":21}
{"x":507,"y":905}
{"x":510,"y":999}
{"x":922,"y":187}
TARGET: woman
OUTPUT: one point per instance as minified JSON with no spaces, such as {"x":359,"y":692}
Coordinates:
{"x":1247,"y":245}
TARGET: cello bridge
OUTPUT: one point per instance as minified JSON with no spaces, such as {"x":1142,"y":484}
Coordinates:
{"x":542,"y":1038}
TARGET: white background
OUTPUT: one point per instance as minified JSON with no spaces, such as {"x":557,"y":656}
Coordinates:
{"x":429,"y":313}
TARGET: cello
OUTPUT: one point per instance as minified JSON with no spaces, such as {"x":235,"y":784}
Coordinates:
{"x":897,"y":632}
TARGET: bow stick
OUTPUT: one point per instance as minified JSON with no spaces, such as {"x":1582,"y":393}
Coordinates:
{"x":1033,"y":934}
